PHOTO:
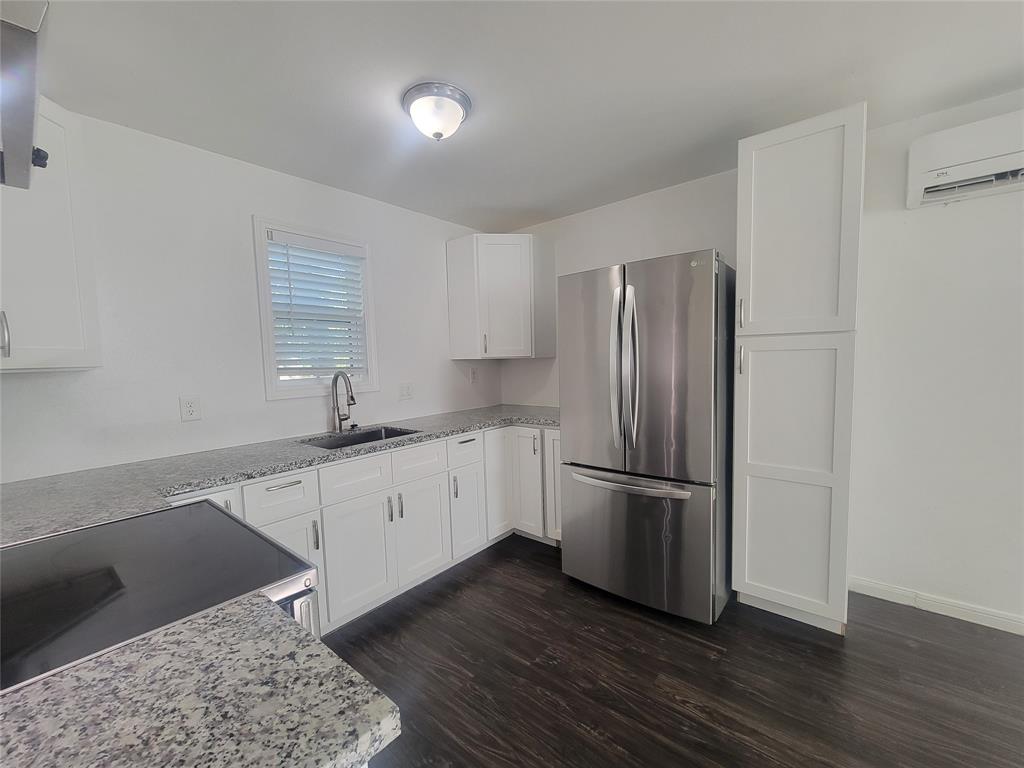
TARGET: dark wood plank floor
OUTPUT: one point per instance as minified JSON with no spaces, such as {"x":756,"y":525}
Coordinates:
{"x":503,"y":661}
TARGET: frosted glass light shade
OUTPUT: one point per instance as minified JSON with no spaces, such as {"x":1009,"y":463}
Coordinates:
{"x":436,"y":109}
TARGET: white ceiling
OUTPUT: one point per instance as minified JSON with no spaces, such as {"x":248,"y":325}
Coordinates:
{"x":575,"y":104}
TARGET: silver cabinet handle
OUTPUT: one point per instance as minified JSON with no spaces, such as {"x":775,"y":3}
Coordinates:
{"x":316,"y":535}
{"x":5,"y":336}
{"x":630,"y":368}
{"x":741,"y":312}
{"x":741,"y":359}
{"x":485,"y":343}
{"x":636,"y":490}
{"x":471,"y":440}
{"x":282,"y":486}
{"x":401,"y":508}
{"x":227,"y":504}
{"x":391,"y":511}
{"x":614,"y":361}
{"x":455,"y":481}
{"x":534,"y":445}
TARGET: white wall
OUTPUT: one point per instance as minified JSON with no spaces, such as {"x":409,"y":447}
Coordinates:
{"x":688,"y":217}
{"x":938,"y":455}
{"x":171,"y":229}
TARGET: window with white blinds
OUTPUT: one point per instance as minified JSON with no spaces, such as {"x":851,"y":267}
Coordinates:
{"x":315,"y":314}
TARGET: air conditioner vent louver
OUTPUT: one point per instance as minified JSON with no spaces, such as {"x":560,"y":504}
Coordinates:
{"x":973,"y":160}
{"x":958,"y":188}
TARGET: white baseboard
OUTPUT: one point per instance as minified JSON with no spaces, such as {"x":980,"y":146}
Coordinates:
{"x":1008,"y":622}
{"x":796,"y":614}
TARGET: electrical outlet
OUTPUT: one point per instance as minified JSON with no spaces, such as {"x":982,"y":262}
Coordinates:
{"x":190,"y":408}
{"x":405,"y":390}
{"x":473,"y":375}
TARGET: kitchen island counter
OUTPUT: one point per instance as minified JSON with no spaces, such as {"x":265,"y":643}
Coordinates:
{"x":240,"y":684}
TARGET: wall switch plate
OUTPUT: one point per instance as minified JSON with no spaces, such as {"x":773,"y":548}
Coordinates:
{"x":405,"y":390}
{"x":473,"y":376}
{"x":190,"y":408}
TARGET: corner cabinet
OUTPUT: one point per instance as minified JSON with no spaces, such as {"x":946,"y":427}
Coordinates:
{"x":47,"y":288}
{"x":798,"y":226}
{"x":501,"y":296}
{"x":514,"y":466}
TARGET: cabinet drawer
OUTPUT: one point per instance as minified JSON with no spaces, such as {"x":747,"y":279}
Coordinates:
{"x":230,"y":499}
{"x":280,"y":497}
{"x":465,"y":449}
{"x":421,"y":461}
{"x":355,"y":478}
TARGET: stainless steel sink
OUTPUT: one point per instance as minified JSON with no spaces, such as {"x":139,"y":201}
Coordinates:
{"x":358,"y":437}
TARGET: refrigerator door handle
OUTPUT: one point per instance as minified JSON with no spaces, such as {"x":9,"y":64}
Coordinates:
{"x":630,"y":368}
{"x":663,"y":492}
{"x":614,"y":361}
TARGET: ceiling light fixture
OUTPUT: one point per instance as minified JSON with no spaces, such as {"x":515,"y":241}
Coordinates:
{"x":437,"y":109}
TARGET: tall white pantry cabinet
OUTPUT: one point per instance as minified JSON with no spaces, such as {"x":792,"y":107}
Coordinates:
{"x":800,"y":201}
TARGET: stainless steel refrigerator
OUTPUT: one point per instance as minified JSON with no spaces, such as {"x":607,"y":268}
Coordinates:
{"x":645,"y":391}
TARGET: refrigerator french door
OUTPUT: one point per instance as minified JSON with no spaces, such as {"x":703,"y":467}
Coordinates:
{"x":644,"y":369}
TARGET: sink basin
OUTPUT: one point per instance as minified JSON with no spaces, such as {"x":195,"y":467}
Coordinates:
{"x":358,"y":437}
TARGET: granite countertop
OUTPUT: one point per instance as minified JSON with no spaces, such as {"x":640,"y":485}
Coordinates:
{"x":45,"y":505}
{"x":241,"y":684}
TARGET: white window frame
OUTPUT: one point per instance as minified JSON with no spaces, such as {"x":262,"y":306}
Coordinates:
{"x":276,"y":389}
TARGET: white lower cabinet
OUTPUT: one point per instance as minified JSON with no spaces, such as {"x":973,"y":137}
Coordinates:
{"x":515,"y":484}
{"x":229,"y":498}
{"x":498,"y":472}
{"x":527,"y":481}
{"x":361,"y":553}
{"x":424,"y":526}
{"x":469,"y":509}
{"x":303,"y":535}
{"x":794,"y":413}
{"x":552,"y":484}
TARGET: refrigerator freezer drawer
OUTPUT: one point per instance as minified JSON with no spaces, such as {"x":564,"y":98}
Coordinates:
{"x":646,"y":540}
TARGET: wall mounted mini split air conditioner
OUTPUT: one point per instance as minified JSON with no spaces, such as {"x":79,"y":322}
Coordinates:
{"x":973,"y":160}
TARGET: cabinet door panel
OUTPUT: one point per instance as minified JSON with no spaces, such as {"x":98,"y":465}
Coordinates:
{"x":505,"y":274}
{"x":303,"y":535}
{"x":423,"y":516}
{"x":469,"y":509}
{"x":794,"y":410}
{"x":498,"y":472}
{"x":527,"y":482}
{"x":553,"y":484}
{"x":800,"y":191}
{"x":46,"y":284}
{"x":359,"y":553}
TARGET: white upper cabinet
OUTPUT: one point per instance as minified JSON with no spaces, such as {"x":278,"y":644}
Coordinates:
{"x":47,"y":290}
{"x":799,"y":201}
{"x":500,"y":298}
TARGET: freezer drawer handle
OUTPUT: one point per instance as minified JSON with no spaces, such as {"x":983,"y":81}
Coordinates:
{"x":637,"y":490}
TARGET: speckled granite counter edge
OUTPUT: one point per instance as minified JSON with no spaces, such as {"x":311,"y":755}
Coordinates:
{"x":341,"y":454}
{"x":241,"y":684}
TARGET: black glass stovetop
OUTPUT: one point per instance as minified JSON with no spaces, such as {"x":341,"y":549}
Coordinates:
{"x":65,"y":597}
